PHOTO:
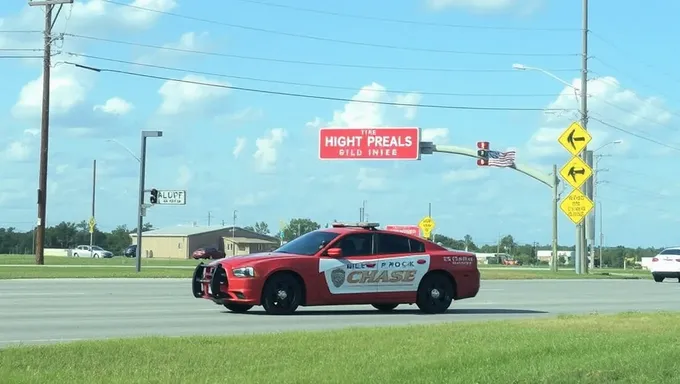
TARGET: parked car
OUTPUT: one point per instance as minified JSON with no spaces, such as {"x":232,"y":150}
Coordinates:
{"x":130,"y":251}
{"x":208,"y":253}
{"x":666,"y":265}
{"x":85,"y":251}
{"x":347,"y":264}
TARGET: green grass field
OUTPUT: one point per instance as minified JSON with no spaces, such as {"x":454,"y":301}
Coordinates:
{"x":22,"y":267}
{"x":625,"y":348}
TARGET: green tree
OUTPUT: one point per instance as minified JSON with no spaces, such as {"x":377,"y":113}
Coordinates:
{"x":298,"y":227}
{"x":262,"y":228}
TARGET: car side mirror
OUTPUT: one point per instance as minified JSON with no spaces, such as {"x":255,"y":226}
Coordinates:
{"x":334,"y":252}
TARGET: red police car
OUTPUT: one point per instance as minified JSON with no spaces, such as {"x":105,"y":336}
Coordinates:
{"x":346,"y":264}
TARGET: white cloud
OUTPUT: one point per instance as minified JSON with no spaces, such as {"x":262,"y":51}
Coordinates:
{"x":366,"y":114}
{"x":189,"y":41}
{"x":68,"y":89}
{"x":267,"y":146}
{"x":252,"y":199}
{"x":462,"y":175}
{"x":240,"y":145}
{"x":485,"y":5}
{"x":435,"y":135}
{"x":607,"y":101}
{"x":185,"y":97}
{"x":21,"y":149}
{"x":371,"y":179}
{"x":114,"y":106}
{"x":184,"y":176}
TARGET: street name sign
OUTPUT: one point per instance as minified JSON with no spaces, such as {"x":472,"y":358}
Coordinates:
{"x":576,"y":172}
{"x":576,"y":206}
{"x":574,"y":139}
{"x":373,"y":143}
{"x":172,"y":197}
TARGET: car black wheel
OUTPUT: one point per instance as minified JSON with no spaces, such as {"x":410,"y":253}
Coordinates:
{"x":238,"y":308}
{"x":281,"y":295}
{"x":658,"y":279}
{"x":435,"y":294}
{"x":384,"y":307}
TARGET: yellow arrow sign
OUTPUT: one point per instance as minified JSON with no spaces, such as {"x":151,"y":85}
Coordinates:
{"x":576,"y":172}
{"x":91,"y":224}
{"x":574,"y":139}
{"x":576,"y":206}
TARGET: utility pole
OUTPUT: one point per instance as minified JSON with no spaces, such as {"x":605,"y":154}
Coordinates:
{"x":582,"y":241}
{"x":94,"y":194}
{"x":590,"y":218}
{"x":556,"y":198}
{"x":45,"y":124}
{"x":209,"y":215}
{"x":233,"y":233}
{"x":601,"y":237}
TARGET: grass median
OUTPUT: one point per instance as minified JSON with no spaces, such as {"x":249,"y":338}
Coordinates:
{"x":586,"y":349}
{"x":22,"y":267}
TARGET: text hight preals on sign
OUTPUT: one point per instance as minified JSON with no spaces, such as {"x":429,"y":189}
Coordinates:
{"x":385,"y":143}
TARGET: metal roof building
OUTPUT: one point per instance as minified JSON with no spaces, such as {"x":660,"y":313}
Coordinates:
{"x":180,"y":241}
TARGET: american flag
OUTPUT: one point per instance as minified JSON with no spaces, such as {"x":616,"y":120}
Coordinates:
{"x":501,"y":159}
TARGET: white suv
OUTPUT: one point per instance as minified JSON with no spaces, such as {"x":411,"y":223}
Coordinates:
{"x":666,"y":264}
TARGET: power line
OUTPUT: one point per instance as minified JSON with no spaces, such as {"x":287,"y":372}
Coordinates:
{"x":21,"y":49}
{"x":348,"y":42}
{"x":20,"y":57}
{"x":19,"y":31}
{"x":639,"y":136}
{"x":309,"y":96}
{"x":403,"y":21}
{"x":184,"y":70}
{"x":301,"y":62}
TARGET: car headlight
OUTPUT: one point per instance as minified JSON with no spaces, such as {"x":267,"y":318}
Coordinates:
{"x":243,"y":272}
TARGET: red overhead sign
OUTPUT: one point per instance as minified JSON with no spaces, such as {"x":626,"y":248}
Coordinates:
{"x":407,"y":229}
{"x":393,"y":143}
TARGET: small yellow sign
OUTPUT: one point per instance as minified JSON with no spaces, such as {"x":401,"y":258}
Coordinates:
{"x":91,"y":224}
{"x":576,"y":172}
{"x":576,"y":206}
{"x":427,"y":224}
{"x":574,"y":139}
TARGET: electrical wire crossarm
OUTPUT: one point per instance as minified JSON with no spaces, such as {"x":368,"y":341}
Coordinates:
{"x":309,"y":96}
{"x":338,"y":41}
{"x":185,"y":70}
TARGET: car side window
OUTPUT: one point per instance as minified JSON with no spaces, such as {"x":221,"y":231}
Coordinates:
{"x":358,"y":244}
{"x":391,"y":244}
{"x":416,"y":246}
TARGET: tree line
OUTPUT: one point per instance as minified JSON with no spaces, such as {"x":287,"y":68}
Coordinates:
{"x":68,"y":234}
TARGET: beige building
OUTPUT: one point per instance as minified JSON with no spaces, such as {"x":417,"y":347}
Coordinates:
{"x":180,"y":241}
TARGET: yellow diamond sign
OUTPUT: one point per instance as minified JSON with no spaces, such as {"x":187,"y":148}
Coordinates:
{"x":574,"y":139}
{"x":576,"y":172}
{"x":427,"y":224}
{"x":576,"y":206}
{"x":91,"y":224}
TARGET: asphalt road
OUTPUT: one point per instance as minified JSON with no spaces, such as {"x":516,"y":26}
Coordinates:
{"x":46,"y":311}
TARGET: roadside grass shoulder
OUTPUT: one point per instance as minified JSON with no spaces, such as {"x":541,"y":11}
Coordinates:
{"x":572,"y":349}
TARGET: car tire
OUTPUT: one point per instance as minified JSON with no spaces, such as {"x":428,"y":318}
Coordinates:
{"x":281,"y":295}
{"x":385,"y":307}
{"x":658,"y":279}
{"x":75,"y":255}
{"x":238,"y":308}
{"x":435,"y":293}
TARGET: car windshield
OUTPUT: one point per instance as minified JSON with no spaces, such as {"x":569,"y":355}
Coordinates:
{"x":96,"y":248}
{"x":673,"y":252}
{"x":308,"y":244}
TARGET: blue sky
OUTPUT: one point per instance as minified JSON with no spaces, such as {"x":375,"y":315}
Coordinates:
{"x":257,"y":153}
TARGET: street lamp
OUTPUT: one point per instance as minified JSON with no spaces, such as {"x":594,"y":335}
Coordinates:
{"x":522,"y":67}
{"x":592,"y":218}
{"x":125,"y":148}
{"x":140,"y":207}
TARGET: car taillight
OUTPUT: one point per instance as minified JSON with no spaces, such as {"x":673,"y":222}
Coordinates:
{"x":654,"y":260}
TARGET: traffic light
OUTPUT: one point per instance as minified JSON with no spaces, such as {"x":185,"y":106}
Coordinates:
{"x":154,"y":196}
{"x":483,"y":153}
